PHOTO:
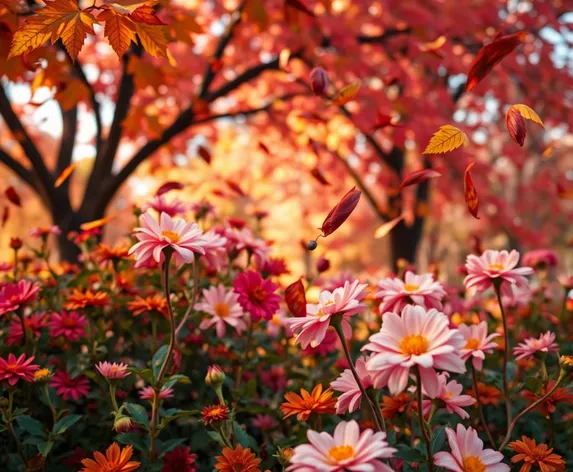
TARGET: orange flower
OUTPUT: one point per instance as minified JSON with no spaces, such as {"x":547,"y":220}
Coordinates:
{"x":533,"y":454}
{"x":560,"y":395}
{"x":78,"y":299}
{"x":488,"y":395}
{"x":305,"y":404}
{"x":215,"y":413}
{"x":115,"y":460}
{"x":391,"y":406}
{"x":107,"y":253}
{"x":237,"y":459}
{"x":141,"y":305}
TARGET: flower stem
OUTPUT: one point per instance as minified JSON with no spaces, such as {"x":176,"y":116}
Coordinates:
{"x":112,"y":396}
{"x":425,"y":432}
{"x":191,"y":306}
{"x":497,"y":286}
{"x":24,"y":331}
{"x":239,"y":374}
{"x":480,"y":406}
{"x":49,"y":402}
{"x":376,"y":415}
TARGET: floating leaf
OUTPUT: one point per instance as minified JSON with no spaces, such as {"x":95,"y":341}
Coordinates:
{"x":204,"y":153}
{"x":346,"y":94}
{"x":528,"y":113}
{"x":446,"y":139}
{"x":235,"y":187}
{"x":340,"y":213}
{"x":547,"y":153}
{"x":13,"y":196}
{"x":284,"y":57}
{"x":319,"y":81}
{"x":433,"y":47}
{"x":295,"y":298}
{"x":5,"y":215}
{"x":470,"y":193}
{"x":264,"y":148}
{"x":515,"y":121}
{"x":65,"y":174}
{"x":317,"y":174}
{"x":168,"y":187}
{"x":382,"y":121}
{"x":492,"y":54}
{"x":419,"y":176}
{"x":385,"y":228}
{"x":96,"y":223}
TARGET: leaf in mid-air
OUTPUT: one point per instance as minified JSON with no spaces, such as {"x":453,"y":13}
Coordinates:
{"x":419,"y":176}
{"x":515,"y":121}
{"x":446,"y":139}
{"x":346,"y":94}
{"x":385,"y":228}
{"x":65,"y":174}
{"x":295,"y":298}
{"x":470,"y":193}
{"x":340,"y":213}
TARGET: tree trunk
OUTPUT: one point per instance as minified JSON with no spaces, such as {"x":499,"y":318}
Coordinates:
{"x":405,"y":241}
{"x":70,"y":222}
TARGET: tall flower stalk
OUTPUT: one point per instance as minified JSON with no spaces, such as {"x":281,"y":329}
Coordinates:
{"x":505,"y":383}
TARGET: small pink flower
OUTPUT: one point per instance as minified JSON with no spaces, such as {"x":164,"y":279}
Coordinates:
{"x":69,"y":324}
{"x":215,"y":250}
{"x":264,"y":422}
{"x":6,"y":266}
{"x":348,"y":449}
{"x":527,"y":349}
{"x":329,"y":344}
{"x":13,"y":369}
{"x":351,"y":396}
{"x":112,"y":371}
{"x":45,"y":231}
{"x":274,"y":378}
{"x":15,"y":295}
{"x":70,"y":388}
{"x":224,"y":308}
{"x":492,"y":265}
{"x":185,"y":239}
{"x":478,"y":343}
{"x":160,"y":204}
{"x":539,"y":258}
{"x":450,"y":393}
{"x":416,"y":289}
{"x":244,"y":240}
{"x":147,"y":393}
{"x":414,"y":338}
{"x":33,"y":323}
{"x":346,"y":301}
{"x":256,"y":295}
{"x":468,"y":453}
{"x":275,"y":266}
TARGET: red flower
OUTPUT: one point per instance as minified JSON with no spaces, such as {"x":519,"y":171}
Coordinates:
{"x":560,"y":395}
{"x":13,"y":296}
{"x":180,"y":460}
{"x":256,"y":295}
{"x":33,"y":323}
{"x":68,"y":324}
{"x":68,"y":387}
{"x":13,"y":369}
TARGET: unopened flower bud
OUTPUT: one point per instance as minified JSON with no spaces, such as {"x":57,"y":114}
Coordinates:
{"x":312,"y":245}
{"x":322,"y":264}
{"x":319,"y":81}
{"x":15,"y":243}
{"x":215,"y":376}
{"x":122,"y":424}
{"x":43,"y":375}
{"x":284,"y":455}
{"x":566,"y":363}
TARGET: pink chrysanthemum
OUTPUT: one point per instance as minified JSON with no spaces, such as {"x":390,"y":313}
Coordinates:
{"x":185,"y":239}
{"x":346,"y":301}
{"x":528,"y":348}
{"x":478,"y":343}
{"x":539,"y":258}
{"x":112,"y":370}
{"x":351,"y":396}
{"x":180,"y":459}
{"x":256,"y":295}
{"x":493,"y":265}
{"x":69,"y":324}
{"x":147,"y":393}
{"x":414,"y":338}
{"x":215,"y":250}
{"x":346,"y":450}
{"x":14,"y":296}
{"x":450,"y":393}
{"x":244,"y":240}
{"x":415,"y":289}
{"x":468,"y":453}
{"x":160,"y":204}
{"x":70,"y":387}
{"x":13,"y":369}
{"x":45,"y":231}
{"x":33,"y":324}
{"x":224,"y":308}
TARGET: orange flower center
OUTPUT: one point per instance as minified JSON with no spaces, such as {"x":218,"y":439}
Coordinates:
{"x":69,"y":322}
{"x":473,"y":464}
{"x":411,"y":287}
{"x":12,"y":367}
{"x":173,"y":237}
{"x":111,"y":467}
{"x":222,"y":309}
{"x":448,"y":394}
{"x":496,"y":266}
{"x":259,"y":294}
{"x":472,"y":344}
{"x":340,"y":453}
{"x":415,"y":344}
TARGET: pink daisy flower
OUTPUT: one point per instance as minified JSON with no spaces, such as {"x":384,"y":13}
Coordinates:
{"x":33,"y":323}
{"x":415,"y":289}
{"x":13,"y":296}
{"x":478,"y":343}
{"x":450,"y":393}
{"x":45,"y":231}
{"x":540,"y":258}
{"x":13,"y":369}
{"x":112,"y":371}
{"x":329,"y":344}
{"x":468,"y":453}
{"x":160,"y":204}
{"x":346,"y":301}
{"x":223,"y":306}
{"x":245,"y":240}
{"x":528,"y":348}
{"x":68,"y":324}
{"x":351,"y":396}
{"x":70,"y":387}
{"x":264,"y":422}
{"x":492,"y":265}
{"x":256,"y":295}
{"x":147,"y":393}
{"x":215,"y":250}
{"x":414,"y":338}
{"x":346,"y":450}
{"x":185,"y":239}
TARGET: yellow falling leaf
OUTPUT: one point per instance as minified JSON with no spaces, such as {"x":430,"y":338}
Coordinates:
{"x":385,"y":228}
{"x":96,"y":223}
{"x":346,"y":94}
{"x":446,"y":139}
{"x":65,"y":174}
{"x":528,"y":113}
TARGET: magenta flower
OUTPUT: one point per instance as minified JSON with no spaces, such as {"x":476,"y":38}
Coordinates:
{"x":33,"y":323}
{"x":68,"y":324}
{"x":527,"y":349}
{"x":147,"y":393}
{"x":539,"y":258}
{"x":478,"y":343}
{"x":416,"y":289}
{"x":70,"y":387}
{"x":13,"y":296}
{"x":13,"y":369}
{"x":44,"y":232}
{"x":113,"y":370}
{"x":160,"y":204}
{"x":256,"y":295}
{"x":223,"y":307}
{"x":351,"y":397}
{"x":244,"y":240}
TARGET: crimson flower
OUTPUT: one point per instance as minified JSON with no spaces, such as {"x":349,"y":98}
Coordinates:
{"x":256,"y":295}
{"x":12,"y":369}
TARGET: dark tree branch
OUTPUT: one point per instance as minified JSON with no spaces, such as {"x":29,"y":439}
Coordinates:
{"x":12,"y":164}
{"x":70,"y":127}
{"x":381,"y":38}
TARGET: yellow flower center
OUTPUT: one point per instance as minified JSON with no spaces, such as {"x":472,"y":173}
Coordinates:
{"x":473,"y":464}
{"x":448,"y":394}
{"x":173,"y":237}
{"x":340,"y":453}
{"x":329,"y":302}
{"x":496,"y":266}
{"x":276,"y":320}
{"x":12,"y":367}
{"x":472,"y":344}
{"x":411,"y":287}
{"x":222,"y":309}
{"x":41,"y":373}
{"x":415,"y":344}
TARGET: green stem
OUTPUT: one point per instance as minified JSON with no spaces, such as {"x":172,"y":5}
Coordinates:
{"x":480,"y":406}
{"x":425,"y":433}
{"x":49,"y":402}
{"x":112,"y":396}
{"x":497,"y":286}
{"x":9,"y":420}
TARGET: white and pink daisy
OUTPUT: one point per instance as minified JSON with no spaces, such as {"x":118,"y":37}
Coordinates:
{"x":346,"y":301}
{"x":478,"y":343}
{"x":215,"y":247}
{"x":224,"y":308}
{"x":528,"y":348}
{"x":112,"y":370}
{"x":347,"y":450}
{"x":351,"y":396}
{"x":414,"y":289}
{"x":450,"y":393}
{"x":495,"y":266}
{"x":468,"y":454}
{"x":416,"y":338}
{"x":244,"y":239}
{"x":160,"y":204}
{"x":185,"y":239}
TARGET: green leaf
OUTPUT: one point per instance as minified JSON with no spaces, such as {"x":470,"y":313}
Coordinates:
{"x":67,"y":421}
{"x":409,"y":454}
{"x":174,"y":413}
{"x":30,"y":425}
{"x":45,"y":447}
{"x":250,"y":388}
{"x":533,"y":384}
{"x":245,"y":439}
{"x":134,"y":440}
{"x":168,"y":445}
{"x":145,"y":374}
{"x":438,"y":440}
{"x":170,"y":381}
{"x":217,"y":437}
{"x":138,"y":413}
{"x":158,"y":359}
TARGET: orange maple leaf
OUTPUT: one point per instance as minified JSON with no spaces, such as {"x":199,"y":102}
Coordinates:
{"x":119,"y":30}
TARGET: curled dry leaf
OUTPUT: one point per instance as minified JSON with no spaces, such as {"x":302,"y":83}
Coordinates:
{"x":340,"y":213}
{"x":295,"y":298}
{"x":515,"y":121}
{"x":235,"y":187}
{"x":382,"y":121}
{"x":419,"y":176}
{"x":347,"y":94}
{"x":385,"y":228}
{"x":470,"y":193}
{"x":65,"y":174}
{"x":13,"y":196}
{"x":168,"y":187}
{"x":318,"y":175}
{"x":96,"y":223}
{"x":264,"y":148}
{"x":5,"y":215}
{"x":204,"y":153}
{"x":446,"y":139}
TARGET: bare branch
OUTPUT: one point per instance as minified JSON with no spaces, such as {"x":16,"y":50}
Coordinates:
{"x":67,"y":142}
{"x":93,"y":100}
{"x":25,"y":174}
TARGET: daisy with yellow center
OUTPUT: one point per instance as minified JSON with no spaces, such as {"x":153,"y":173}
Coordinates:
{"x":477,"y":343}
{"x":221,"y":308}
{"x":305,"y":404}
